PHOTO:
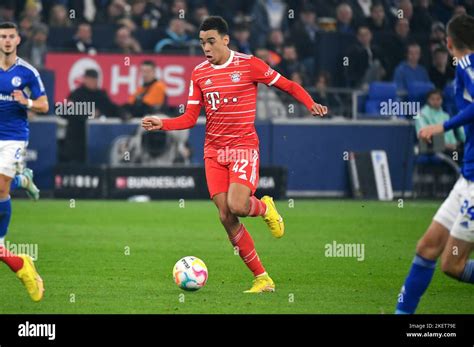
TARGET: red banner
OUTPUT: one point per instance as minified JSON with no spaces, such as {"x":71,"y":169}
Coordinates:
{"x":119,"y":74}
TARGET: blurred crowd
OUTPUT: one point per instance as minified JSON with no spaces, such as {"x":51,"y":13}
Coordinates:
{"x":389,"y":40}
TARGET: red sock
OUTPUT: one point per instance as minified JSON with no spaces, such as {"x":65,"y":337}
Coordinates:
{"x":257,"y":207}
{"x":14,"y":262}
{"x":247,"y":251}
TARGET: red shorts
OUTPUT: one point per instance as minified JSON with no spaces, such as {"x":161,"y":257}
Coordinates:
{"x":243,"y":169}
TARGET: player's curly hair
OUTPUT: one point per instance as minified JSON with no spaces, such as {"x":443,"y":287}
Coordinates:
{"x":460,"y":30}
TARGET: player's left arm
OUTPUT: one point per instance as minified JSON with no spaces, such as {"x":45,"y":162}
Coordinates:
{"x":262,"y":73}
{"x":37,"y":101}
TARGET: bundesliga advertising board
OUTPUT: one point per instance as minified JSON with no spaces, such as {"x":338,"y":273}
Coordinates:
{"x":170,"y":166}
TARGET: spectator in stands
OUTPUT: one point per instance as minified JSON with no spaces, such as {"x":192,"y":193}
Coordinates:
{"x":176,"y":37}
{"x":324,"y":8}
{"x":441,"y":72}
{"x":345,"y":23}
{"x":82,"y":41}
{"x":405,"y":9}
{"x":362,"y":10}
{"x":409,"y":70}
{"x":422,"y":19}
{"x":125,"y":43}
{"x":145,"y":14}
{"x":34,"y":50}
{"x":32,"y":11}
{"x":180,"y":9}
{"x":276,"y":42}
{"x":437,"y":36}
{"x":432,"y":113}
{"x":200,"y":13}
{"x":268,"y":57}
{"x":267,"y":15}
{"x":240,"y":39}
{"x":304,"y":34}
{"x":150,"y":97}
{"x":7,"y":11}
{"x":91,"y":11}
{"x":137,"y":14}
{"x":26,"y":28}
{"x":290,"y":62}
{"x":459,"y":10}
{"x":395,"y":45}
{"x":116,"y":11}
{"x":365,"y":60}
{"x":443,"y":10}
{"x":321,"y":93}
{"x":378,"y":22}
{"x":58,"y":17}
{"x":75,"y":140}
{"x":90,"y":91}
{"x":362,"y":7}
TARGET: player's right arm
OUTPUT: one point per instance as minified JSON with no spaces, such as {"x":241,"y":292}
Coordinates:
{"x":187,"y":120}
{"x":38,"y":101}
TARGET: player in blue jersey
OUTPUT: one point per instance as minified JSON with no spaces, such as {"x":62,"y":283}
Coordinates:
{"x":451,"y":233}
{"x":20,"y":89}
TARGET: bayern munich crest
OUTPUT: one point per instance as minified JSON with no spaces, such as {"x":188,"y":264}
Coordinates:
{"x":235,"y":77}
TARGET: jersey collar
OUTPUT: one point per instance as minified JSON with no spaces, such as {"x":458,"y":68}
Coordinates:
{"x":13,"y":66}
{"x":222,"y":66}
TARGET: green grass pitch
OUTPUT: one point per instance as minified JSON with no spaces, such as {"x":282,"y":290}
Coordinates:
{"x":83,"y":260}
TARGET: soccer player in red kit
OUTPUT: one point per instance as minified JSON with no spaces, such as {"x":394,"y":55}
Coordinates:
{"x":226,"y":85}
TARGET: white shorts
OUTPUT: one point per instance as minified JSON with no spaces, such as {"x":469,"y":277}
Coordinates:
{"x":12,"y":154}
{"x":457,"y":211}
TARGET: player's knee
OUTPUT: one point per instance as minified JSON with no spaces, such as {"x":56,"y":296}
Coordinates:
{"x":429,"y":248}
{"x":423,"y":248}
{"x":451,"y":267}
{"x":4,"y":189}
{"x":238,"y":208}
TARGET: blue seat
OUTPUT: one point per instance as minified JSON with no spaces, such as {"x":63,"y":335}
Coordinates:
{"x":417,"y":91}
{"x":372,"y":108}
{"x":382,"y":91}
{"x":379,"y":92}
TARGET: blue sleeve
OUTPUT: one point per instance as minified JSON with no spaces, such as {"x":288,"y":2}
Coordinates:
{"x":464,"y":82}
{"x":469,"y":82}
{"x":36,"y":86}
{"x":464,"y":117}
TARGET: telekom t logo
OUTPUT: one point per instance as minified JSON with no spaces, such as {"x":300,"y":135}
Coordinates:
{"x":213,"y":99}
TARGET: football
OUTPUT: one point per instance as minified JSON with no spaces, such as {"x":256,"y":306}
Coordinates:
{"x":190,"y":273}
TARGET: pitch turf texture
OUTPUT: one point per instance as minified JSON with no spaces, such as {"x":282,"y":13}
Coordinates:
{"x":83,"y":261}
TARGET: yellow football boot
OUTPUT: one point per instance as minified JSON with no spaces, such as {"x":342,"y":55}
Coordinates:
{"x":262,"y":283}
{"x":30,"y":278}
{"x":272,"y":218}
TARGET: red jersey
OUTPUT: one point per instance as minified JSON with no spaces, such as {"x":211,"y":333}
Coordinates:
{"x":229,"y":94}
